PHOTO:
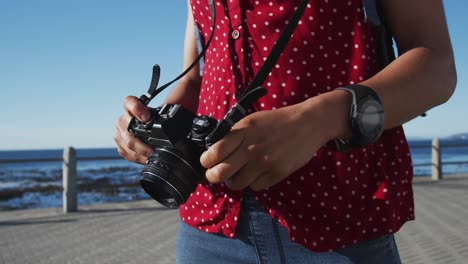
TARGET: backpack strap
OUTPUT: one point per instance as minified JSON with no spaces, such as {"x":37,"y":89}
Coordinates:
{"x":372,"y":10}
{"x":371,"y":13}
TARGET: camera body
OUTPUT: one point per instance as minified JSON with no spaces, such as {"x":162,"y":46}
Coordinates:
{"x":178,"y":138}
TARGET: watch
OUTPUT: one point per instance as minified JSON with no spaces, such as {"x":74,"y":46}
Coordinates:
{"x":366,"y":118}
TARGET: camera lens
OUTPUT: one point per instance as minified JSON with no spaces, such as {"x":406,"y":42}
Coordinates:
{"x":168,"y":178}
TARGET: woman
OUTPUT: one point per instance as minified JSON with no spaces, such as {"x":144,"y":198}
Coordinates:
{"x":277,"y":187}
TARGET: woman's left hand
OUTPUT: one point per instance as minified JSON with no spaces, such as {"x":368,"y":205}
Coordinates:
{"x":267,"y":146}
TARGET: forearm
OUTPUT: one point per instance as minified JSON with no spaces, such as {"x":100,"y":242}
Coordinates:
{"x":422,"y":77}
{"x":185,"y":93}
{"x":417,"y":81}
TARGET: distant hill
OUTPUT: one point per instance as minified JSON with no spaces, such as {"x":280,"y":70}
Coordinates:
{"x":413,"y":138}
{"x":461,"y":136}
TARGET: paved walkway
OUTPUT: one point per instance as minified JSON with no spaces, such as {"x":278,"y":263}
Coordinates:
{"x":143,"y":232}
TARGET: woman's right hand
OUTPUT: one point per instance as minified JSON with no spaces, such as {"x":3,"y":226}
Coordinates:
{"x":128,"y":146}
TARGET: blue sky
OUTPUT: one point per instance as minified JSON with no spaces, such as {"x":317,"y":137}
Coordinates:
{"x":65,"y":67}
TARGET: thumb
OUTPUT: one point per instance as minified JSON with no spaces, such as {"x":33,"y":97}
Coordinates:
{"x":137,"y":109}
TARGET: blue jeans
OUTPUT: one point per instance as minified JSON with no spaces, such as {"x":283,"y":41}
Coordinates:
{"x":261,"y":239}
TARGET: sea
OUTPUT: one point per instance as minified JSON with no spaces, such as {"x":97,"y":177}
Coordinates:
{"x":19,"y":179}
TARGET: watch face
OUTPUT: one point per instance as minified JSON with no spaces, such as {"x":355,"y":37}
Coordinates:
{"x":370,"y":118}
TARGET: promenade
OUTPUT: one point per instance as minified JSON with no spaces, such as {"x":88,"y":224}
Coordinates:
{"x":144,"y":232}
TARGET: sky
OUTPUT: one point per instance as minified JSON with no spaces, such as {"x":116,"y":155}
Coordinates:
{"x":66,"y":66}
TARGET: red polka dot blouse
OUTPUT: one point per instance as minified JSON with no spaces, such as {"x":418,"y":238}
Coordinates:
{"x":337,"y":199}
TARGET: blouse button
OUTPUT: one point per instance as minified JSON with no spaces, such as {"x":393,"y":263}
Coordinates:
{"x":235,"y":34}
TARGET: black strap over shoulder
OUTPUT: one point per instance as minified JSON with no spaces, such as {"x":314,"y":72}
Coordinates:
{"x":253,"y":91}
{"x":259,"y":77}
{"x":374,"y":14}
{"x":278,"y":48}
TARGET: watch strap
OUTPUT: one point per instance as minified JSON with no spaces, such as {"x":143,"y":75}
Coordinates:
{"x":358,"y":92}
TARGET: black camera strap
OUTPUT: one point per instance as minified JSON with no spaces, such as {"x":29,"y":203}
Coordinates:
{"x":277,"y":49}
{"x":259,"y":78}
{"x":255,"y":90}
{"x":153,"y":90}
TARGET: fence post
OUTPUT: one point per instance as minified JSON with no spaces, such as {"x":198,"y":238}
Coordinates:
{"x":436,"y":160}
{"x":69,"y":180}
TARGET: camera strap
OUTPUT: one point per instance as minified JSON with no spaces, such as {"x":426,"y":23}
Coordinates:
{"x":255,"y":90}
{"x":252,"y":91}
{"x":277,"y":49}
{"x":153,"y":90}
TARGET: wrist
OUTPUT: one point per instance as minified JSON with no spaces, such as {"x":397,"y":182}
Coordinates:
{"x":332,"y":111}
{"x":366,"y":116}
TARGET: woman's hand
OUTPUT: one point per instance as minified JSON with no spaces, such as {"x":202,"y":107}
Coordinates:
{"x":129,"y":147}
{"x":266,"y":147}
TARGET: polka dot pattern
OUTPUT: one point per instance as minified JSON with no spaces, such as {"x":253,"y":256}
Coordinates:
{"x":337,"y":199}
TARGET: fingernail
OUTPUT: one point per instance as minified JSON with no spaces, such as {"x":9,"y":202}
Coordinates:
{"x":202,"y":156}
{"x":210,"y":176}
{"x":145,"y":116}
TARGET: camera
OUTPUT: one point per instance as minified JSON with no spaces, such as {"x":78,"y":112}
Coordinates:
{"x":178,"y":138}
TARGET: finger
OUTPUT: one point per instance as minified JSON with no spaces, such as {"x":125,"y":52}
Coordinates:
{"x":135,"y":144}
{"x":263,"y":182}
{"x":258,"y":172}
{"x":134,"y":107}
{"x":246,"y":176}
{"x":131,"y":155}
{"x":222,"y":149}
{"x":239,"y":181}
{"x":228,"y":167}
{"x":129,"y":139}
{"x":123,"y":122}
{"x":131,"y":148}
{"x":136,"y":158}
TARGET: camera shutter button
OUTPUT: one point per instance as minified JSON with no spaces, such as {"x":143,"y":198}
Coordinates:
{"x":235,"y":34}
